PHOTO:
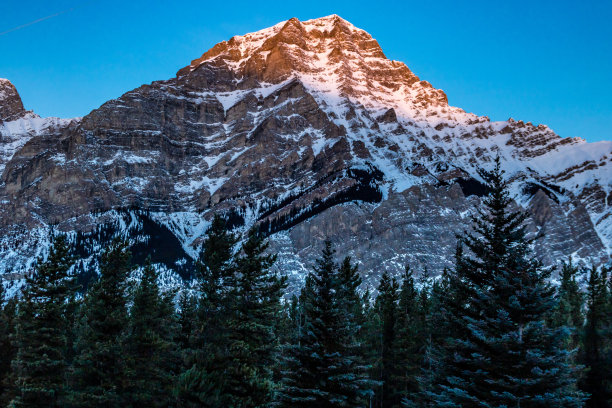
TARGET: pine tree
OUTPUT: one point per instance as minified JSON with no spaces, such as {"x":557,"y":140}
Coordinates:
{"x":100,"y":373}
{"x":413,"y":312}
{"x":569,"y":301}
{"x":352,"y":315}
{"x":8,"y":352}
{"x":7,"y":348}
{"x":322,"y":370}
{"x":216,"y":275}
{"x":253,"y":326}
{"x":431,"y":332}
{"x":371,"y":339}
{"x":5,"y":342}
{"x":387,"y":370}
{"x":150,"y":350}
{"x":503,"y":353}
{"x":596,"y":342}
{"x":186,"y":319}
{"x":41,"y":327}
{"x":350,"y":280}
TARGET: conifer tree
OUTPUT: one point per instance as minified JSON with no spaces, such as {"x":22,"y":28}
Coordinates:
{"x":431,"y":332}
{"x":151,"y":352}
{"x":253,"y":327}
{"x":387,"y":370}
{"x":41,"y":330}
{"x":322,"y":370}
{"x":569,"y":305}
{"x":100,"y":372}
{"x":596,"y":351}
{"x":186,"y":319}
{"x":350,"y":280}
{"x":352,"y":315}
{"x":216,"y":275}
{"x":412,"y":317}
{"x":8,"y":316}
{"x":5,"y":343}
{"x":503,"y":353}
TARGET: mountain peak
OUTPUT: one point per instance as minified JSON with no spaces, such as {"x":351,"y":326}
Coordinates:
{"x":11,"y":106}
{"x":327,"y":54}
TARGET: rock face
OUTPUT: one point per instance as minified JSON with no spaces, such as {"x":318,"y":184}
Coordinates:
{"x":11,"y":107}
{"x":307,"y":130}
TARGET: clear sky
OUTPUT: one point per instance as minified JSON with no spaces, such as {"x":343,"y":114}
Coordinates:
{"x":540,"y":61}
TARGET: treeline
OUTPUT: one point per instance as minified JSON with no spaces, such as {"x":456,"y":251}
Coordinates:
{"x":490,"y":332}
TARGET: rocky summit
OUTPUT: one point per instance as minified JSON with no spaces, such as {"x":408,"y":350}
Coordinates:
{"x":307,"y":130}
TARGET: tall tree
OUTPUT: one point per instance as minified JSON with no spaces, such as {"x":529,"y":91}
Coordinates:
{"x":8,"y":349}
{"x":41,"y":330}
{"x":597,"y":347}
{"x":411,"y":340}
{"x":216,"y":275}
{"x":100,"y":373}
{"x":352,"y":314}
{"x":503,"y":353}
{"x":568,"y":310}
{"x":322,"y":370}
{"x":253,"y":327}
{"x":186,"y":319}
{"x":388,"y":393}
{"x":151,"y":352}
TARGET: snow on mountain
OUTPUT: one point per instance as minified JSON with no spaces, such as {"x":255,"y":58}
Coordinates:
{"x":307,"y":130}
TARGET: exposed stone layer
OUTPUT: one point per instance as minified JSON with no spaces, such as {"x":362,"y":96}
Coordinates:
{"x":307,"y":130}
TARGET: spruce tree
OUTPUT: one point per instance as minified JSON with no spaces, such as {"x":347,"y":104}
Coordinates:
{"x":321,"y":370}
{"x":6,"y":355}
{"x":568,"y":310}
{"x":150,"y":350}
{"x":186,"y":319}
{"x":411,"y":331}
{"x":387,"y":370}
{"x":8,"y":350}
{"x":350,"y":280}
{"x":431,"y":355}
{"x":596,"y":350}
{"x":352,"y":314}
{"x":216,"y":275}
{"x":100,"y":373}
{"x":503,"y":354}
{"x":41,"y":330}
{"x":253,"y":326}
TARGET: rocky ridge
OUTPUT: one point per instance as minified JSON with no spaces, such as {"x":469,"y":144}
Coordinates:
{"x":308,"y":130}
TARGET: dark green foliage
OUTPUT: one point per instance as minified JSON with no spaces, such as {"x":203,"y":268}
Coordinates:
{"x":150,"y":351}
{"x":216,"y":275}
{"x":502,"y":352}
{"x":186,"y":320}
{"x":412,"y":337}
{"x":596,"y":352}
{"x":398,"y":330}
{"x":8,"y":351}
{"x":253,"y":327}
{"x":42,"y":325}
{"x":491,"y":333}
{"x":322,"y":369}
{"x":8,"y":314}
{"x":195,"y":388}
{"x":568,"y":311}
{"x":100,"y":371}
{"x":386,"y":366}
{"x":429,"y":330}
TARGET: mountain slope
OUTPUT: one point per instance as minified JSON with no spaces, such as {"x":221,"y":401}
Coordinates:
{"x":308,"y":130}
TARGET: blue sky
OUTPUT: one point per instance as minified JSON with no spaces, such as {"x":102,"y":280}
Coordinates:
{"x":540,"y":61}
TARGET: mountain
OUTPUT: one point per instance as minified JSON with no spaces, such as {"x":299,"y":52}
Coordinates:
{"x":308,"y":130}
